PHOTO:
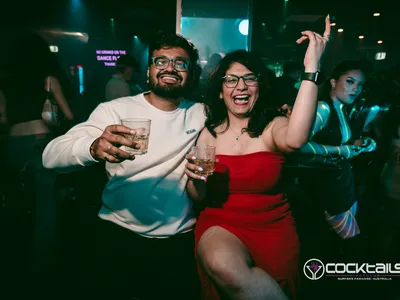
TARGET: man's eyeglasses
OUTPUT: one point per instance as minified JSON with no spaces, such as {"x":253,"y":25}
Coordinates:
{"x":162,"y":62}
{"x":231,"y":81}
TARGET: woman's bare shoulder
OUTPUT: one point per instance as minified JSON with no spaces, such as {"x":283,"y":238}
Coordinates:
{"x":205,"y":138}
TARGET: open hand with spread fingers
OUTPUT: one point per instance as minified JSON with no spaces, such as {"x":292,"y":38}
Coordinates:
{"x":316,"y":46}
{"x":107,"y":146}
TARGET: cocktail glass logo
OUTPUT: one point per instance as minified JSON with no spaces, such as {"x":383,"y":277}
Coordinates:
{"x":314,"y":269}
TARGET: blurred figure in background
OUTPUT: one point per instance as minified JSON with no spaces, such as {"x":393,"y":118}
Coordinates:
{"x":119,"y":85}
{"x":210,"y":66}
{"x":391,"y":184}
{"x":335,"y":140}
{"x":205,"y":74}
{"x":388,"y":130}
{"x":33,"y":109}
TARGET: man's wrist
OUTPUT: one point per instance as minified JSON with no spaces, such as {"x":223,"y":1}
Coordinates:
{"x":311,"y":70}
{"x":91,"y":149}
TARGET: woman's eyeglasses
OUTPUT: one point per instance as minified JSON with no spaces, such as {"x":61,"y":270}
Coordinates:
{"x":231,"y":81}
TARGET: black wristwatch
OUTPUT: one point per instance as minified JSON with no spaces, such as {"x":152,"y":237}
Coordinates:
{"x":314,"y":77}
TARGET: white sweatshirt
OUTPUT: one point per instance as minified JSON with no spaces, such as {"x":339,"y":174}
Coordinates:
{"x":146,"y":195}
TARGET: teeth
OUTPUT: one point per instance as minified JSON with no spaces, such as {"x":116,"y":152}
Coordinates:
{"x":169,"y":78}
{"x":240,"y":101}
{"x":242,"y":97}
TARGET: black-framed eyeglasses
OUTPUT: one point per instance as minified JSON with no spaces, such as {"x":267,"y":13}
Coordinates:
{"x":231,"y":81}
{"x":162,"y":62}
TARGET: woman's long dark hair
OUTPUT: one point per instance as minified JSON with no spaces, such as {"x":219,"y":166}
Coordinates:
{"x":341,"y":69}
{"x":263,"y":111}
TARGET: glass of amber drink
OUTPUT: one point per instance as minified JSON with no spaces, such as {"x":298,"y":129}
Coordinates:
{"x":142,"y":128}
{"x":205,"y":158}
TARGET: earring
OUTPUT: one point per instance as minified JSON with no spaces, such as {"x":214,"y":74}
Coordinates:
{"x":147,"y":80}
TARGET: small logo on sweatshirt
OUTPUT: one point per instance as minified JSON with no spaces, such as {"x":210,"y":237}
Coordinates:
{"x":190,"y":131}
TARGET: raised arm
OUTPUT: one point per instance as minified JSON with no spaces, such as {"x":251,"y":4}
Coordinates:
{"x":291,"y":134}
{"x":60,"y":99}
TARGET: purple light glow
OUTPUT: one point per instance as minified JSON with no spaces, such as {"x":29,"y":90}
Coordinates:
{"x":109,"y":57}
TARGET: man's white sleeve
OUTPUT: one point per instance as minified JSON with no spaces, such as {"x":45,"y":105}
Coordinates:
{"x":71,"y":151}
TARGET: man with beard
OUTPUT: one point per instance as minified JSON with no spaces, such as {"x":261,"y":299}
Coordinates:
{"x":145,"y":244}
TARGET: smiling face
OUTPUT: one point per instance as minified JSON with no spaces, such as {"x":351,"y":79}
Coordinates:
{"x":348,"y":87}
{"x":168,"y":82}
{"x":240,"y":90}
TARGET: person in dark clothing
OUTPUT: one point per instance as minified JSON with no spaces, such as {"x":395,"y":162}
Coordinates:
{"x":334,"y":138}
{"x":30,"y":187}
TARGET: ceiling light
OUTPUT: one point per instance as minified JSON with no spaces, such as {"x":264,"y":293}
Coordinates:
{"x":244,"y":27}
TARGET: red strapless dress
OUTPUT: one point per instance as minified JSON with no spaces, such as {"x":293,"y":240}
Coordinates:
{"x":245,"y":197}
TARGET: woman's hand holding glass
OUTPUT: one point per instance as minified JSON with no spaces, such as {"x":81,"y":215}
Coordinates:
{"x":200,"y":162}
{"x":192,"y":170}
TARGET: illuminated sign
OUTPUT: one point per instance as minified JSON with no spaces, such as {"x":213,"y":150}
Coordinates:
{"x":53,"y":49}
{"x":380,"y":55}
{"x":109,"y":57}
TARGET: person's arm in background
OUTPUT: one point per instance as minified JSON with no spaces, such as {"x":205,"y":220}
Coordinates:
{"x":60,"y":99}
{"x":375,"y":115}
{"x":346,"y":151}
{"x":321,"y":120}
{"x":372,"y":125}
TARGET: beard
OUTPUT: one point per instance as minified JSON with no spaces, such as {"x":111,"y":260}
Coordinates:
{"x":167,"y":91}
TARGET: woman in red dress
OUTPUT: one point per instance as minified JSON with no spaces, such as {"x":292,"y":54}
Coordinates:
{"x":246,"y":242}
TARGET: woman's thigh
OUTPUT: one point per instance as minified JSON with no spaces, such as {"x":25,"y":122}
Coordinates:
{"x":223,"y":256}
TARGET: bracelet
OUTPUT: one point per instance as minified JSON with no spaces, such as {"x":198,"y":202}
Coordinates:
{"x":312,"y":76}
